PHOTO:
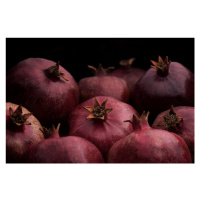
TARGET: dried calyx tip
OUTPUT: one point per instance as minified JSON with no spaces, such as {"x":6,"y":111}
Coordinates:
{"x":17,"y":116}
{"x":55,"y":70}
{"x":48,"y":132}
{"x":126,"y":63}
{"x":98,"y":111}
{"x":161,"y":66}
{"x":100,"y":70}
{"x":136,"y":118}
{"x":171,"y":120}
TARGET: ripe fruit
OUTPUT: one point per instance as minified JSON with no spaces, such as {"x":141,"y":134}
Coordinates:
{"x":100,"y":120}
{"x":129,"y":74}
{"x":22,"y":131}
{"x":179,"y":120}
{"x":147,"y":145}
{"x":165,"y":84}
{"x":69,"y":149}
{"x":103,"y":84}
{"x":46,"y":89}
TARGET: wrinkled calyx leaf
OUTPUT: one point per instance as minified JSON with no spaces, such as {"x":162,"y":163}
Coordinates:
{"x":51,"y":132}
{"x":98,"y":111}
{"x":161,"y":66}
{"x":139,"y":122}
{"x":126,"y":63}
{"x":171,"y":120}
{"x":55,"y":71}
{"x":100,"y":70}
{"x":17,"y":117}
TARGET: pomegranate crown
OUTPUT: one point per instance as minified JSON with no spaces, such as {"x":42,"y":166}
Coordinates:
{"x":98,"y":111}
{"x":55,"y":71}
{"x":171,"y":121}
{"x":51,"y":131}
{"x":100,"y":70}
{"x":17,"y":116}
{"x":139,"y":122}
{"x":161,"y":66}
{"x":126,"y":63}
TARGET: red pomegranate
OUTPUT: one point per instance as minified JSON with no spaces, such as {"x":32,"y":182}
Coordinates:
{"x":100,"y":120}
{"x":22,"y":131}
{"x":147,"y":145}
{"x":129,"y":74}
{"x":179,"y":120}
{"x":69,"y":149}
{"x":43,"y":87}
{"x":165,"y":84}
{"x":103,"y":84}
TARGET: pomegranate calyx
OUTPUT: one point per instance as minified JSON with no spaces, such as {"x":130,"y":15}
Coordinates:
{"x":139,"y":122}
{"x":100,"y":70}
{"x":17,"y":117}
{"x":98,"y":111}
{"x":161,"y":66}
{"x":48,"y":133}
{"x":126,"y":63}
{"x":171,"y":120}
{"x":55,"y":71}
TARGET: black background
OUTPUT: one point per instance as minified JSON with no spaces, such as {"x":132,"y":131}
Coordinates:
{"x":75,"y":54}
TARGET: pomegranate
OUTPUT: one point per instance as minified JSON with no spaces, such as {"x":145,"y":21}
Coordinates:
{"x":43,"y":87}
{"x":147,"y":145}
{"x":179,"y":120}
{"x":165,"y":84}
{"x":68,"y":149}
{"x":22,"y":131}
{"x":103,"y":84}
{"x":129,"y":74}
{"x":100,"y":120}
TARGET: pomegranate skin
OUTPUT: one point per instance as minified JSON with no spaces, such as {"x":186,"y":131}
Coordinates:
{"x":147,"y":145}
{"x":102,"y":133}
{"x":150,"y":147}
{"x":69,"y":149}
{"x":104,"y":85}
{"x":186,"y":127}
{"x":20,"y":138}
{"x":51,"y":99}
{"x":157,"y":93}
{"x":130,"y":75}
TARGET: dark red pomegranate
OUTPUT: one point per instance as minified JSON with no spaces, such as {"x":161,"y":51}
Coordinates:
{"x":179,"y":120}
{"x":129,"y":74}
{"x":165,"y":84}
{"x":69,"y":149}
{"x":103,"y":84}
{"x":147,"y":145}
{"x":43,"y":87}
{"x":22,"y":131}
{"x":100,"y":120}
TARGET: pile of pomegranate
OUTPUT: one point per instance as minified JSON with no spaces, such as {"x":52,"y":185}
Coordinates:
{"x":103,"y":118}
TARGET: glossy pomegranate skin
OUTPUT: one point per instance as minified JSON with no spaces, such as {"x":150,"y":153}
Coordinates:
{"x":102,"y":133}
{"x":69,"y":149}
{"x":157,"y":93}
{"x":51,"y":99}
{"x":20,"y":138}
{"x":147,"y":145}
{"x":104,"y":85}
{"x":130,"y":75}
{"x":186,"y":127}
